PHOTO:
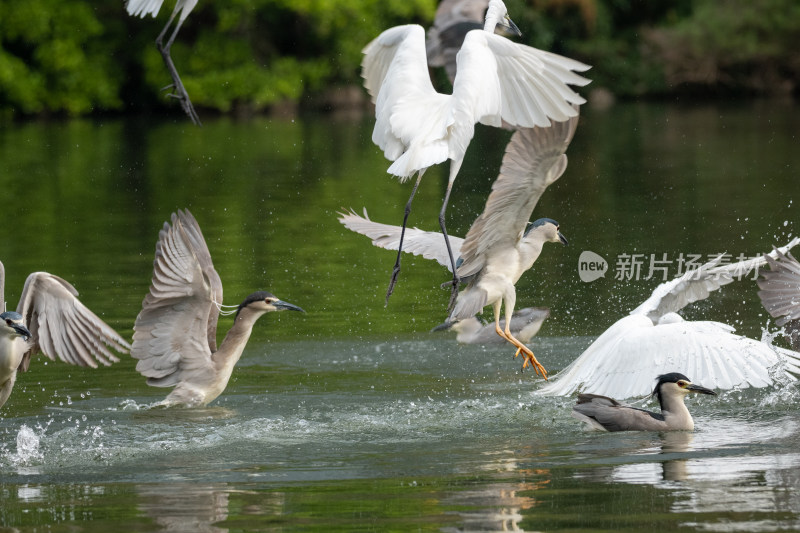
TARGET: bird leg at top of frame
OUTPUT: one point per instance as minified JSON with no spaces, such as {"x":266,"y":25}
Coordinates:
{"x":178,"y":90}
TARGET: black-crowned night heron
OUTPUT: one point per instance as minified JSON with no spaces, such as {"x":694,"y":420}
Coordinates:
{"x":141,"y":8}
{"x":50,"y":319}
{"x":453,"y":20}
{"x":607,"y":414}
{"x":655,"y":338}
{"x":501,"y":244}
{"x":175,"y":334}
{"x":780,"y":293}
{"x":498,"y":82}
{"x":525,"y":324}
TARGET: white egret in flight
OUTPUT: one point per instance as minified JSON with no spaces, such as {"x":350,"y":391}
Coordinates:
{"x":498,"y":82}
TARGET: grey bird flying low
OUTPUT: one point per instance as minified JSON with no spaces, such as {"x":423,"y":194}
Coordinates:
{"x":525,"y":324}
{"x":50,"y":319}
{"x":175,"y":334}
{"x":607,"y":414}
{"x":501,"y":245}
{"x":780,"y":293}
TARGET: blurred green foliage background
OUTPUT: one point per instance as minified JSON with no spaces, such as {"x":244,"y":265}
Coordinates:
{"x":75,"y":57}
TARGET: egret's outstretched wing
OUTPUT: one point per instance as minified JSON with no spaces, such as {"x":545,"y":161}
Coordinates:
{"x":395,"y":72}
{"x":697,"y":284}
{"x":141,"y":8}
{"x":534,"y":159}
{"x":428,"y":244}
{"x":624,"y":359}
{"x":62,"y":327}
{"x":500,"y":79}
{"x":175,"y":332}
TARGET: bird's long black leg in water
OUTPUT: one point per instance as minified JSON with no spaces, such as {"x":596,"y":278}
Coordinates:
{"x":396,"y":268}
{"x":456,"y":280}
{"x":179,"y":92}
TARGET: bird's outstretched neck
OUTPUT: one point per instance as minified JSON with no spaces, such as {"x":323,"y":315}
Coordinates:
{"x":236,"y":339}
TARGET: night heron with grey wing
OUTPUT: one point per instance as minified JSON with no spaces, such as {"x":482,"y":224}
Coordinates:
{"x":175,"y":334}
{"x":50,"y":319}
{"x":606,"y":414}
{"x":525,"y":324}
{"x":780,"y":293}
{"x":501,"y":244}
{"x":498,"y":82}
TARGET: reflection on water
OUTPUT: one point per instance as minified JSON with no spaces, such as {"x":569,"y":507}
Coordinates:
{"x":357,"y":418}
{"x":185,"y":508}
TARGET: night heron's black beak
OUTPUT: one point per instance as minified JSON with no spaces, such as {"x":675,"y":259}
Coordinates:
{"x":563,"y":239}
{"x":701,"y":390}
{"x":21,"y":330}
{"x":286,"y":306}
{"x":443,"y":327}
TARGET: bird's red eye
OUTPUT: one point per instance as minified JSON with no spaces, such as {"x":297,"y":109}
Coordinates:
{"x":682,"y":384}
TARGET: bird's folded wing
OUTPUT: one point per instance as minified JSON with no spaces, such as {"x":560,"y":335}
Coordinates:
{"x":62,"y":327}
{"x":173,"y":329}
{"x":624,"y":361}
{"x":533,"y":160}
{"x":524,"y":86}
{"x":780,"y":288}
{"x":428,"y":244}
{"x":697,"y":284}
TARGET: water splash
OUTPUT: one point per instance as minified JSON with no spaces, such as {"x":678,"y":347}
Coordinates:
{"x":27,"y":447}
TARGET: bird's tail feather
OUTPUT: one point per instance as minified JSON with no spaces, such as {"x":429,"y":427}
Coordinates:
{"x":468,"y":304}
{"x":417,"y":158}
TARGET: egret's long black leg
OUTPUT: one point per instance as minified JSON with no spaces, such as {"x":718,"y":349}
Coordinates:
{"x":396,"y":268}
{"x":456,"y":280}
{"x":177,"y":85}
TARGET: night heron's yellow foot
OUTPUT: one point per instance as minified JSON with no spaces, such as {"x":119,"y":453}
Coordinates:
{"x":530,"y":359}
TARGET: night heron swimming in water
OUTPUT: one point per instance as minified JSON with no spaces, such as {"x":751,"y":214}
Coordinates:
{"x":780,"y":293}
{"x":501,"y":244}
{"x":525,"y":324}
{"x":175,"y":334}
{"x":141,"y":8}
{"x":607,"y":414}
{"x":50,"y":319}
{"x":498,"y":82}
{"x":655,"y":338}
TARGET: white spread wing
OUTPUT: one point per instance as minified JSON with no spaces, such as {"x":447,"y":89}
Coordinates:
{"x":519,"y":84}
{"x":626,"y":359}
{"x":695,"y":285}
{"x":428,"y":244}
